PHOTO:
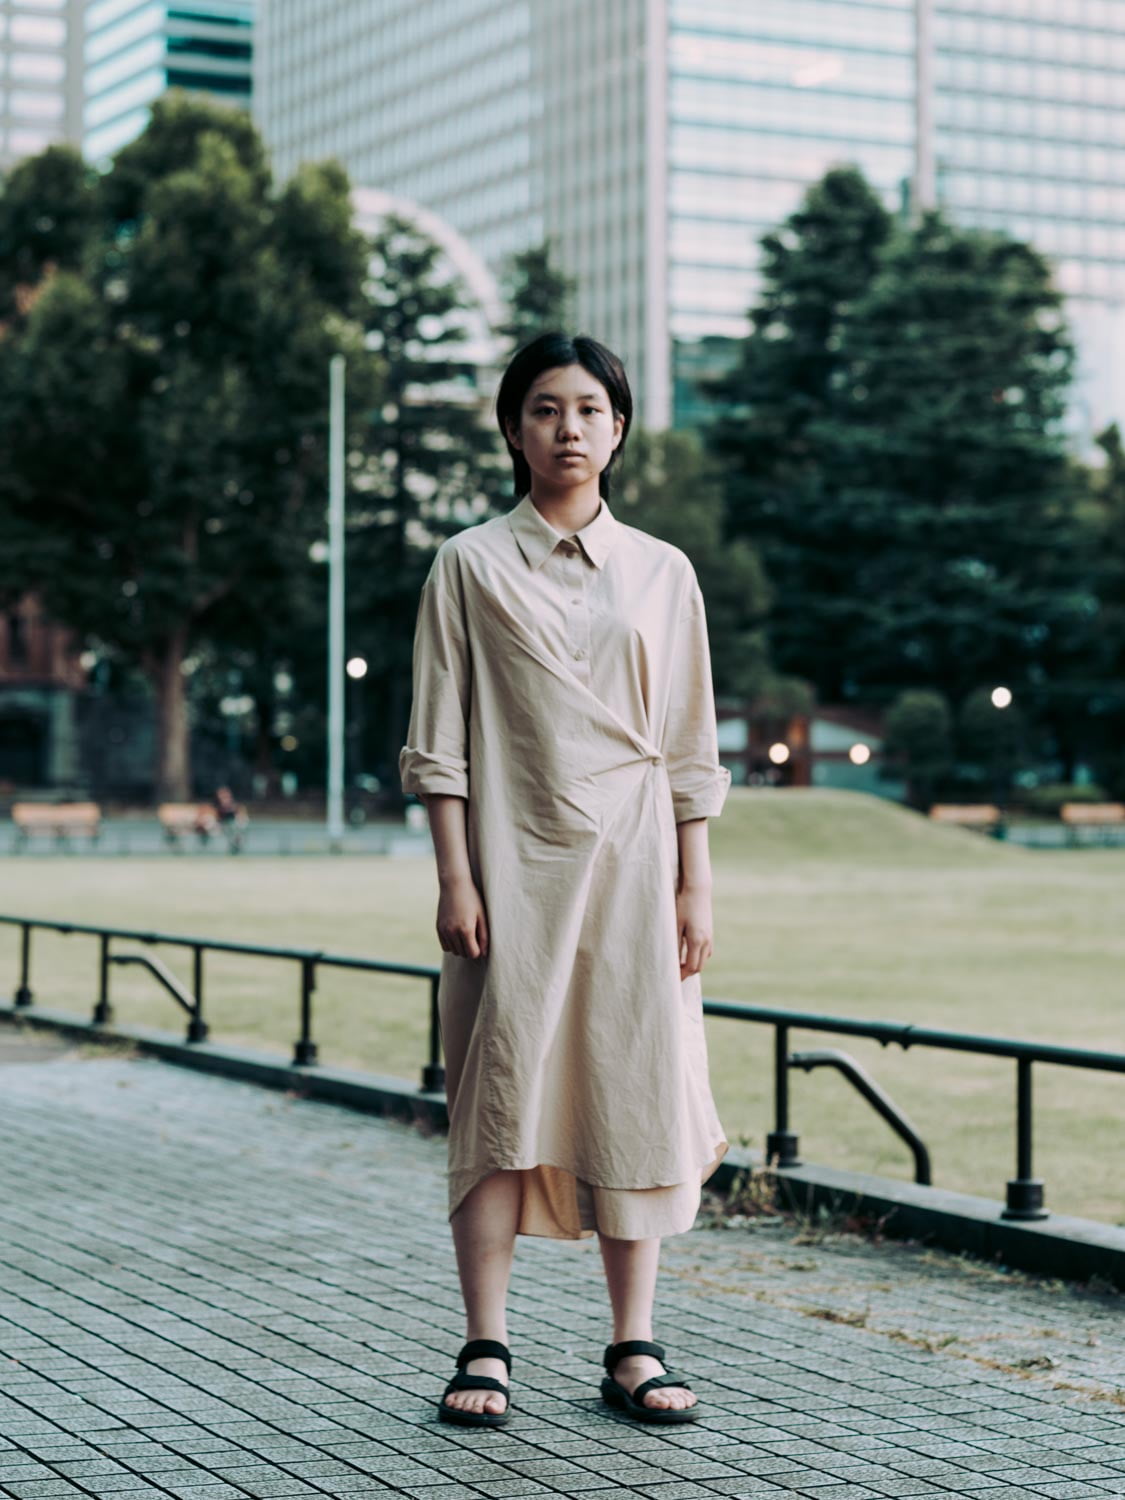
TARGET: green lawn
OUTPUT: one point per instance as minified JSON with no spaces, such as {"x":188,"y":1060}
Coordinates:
{"x":828,"y":901}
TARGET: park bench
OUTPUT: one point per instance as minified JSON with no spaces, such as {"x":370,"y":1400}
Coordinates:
{"x":982,"y":815}
{"x":65,"y":820}
{"x":179,"y":818}
{"x":1103,"y":815}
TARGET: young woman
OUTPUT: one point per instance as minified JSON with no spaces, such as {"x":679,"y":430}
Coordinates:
{"x":563,"y":739}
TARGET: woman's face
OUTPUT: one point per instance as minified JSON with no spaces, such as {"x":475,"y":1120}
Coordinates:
{"x":568,"y":429}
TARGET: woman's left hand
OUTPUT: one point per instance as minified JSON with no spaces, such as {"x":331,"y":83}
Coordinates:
{"x":694,"y":925}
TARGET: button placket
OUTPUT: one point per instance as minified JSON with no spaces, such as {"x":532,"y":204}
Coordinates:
{"x":577,"y":608}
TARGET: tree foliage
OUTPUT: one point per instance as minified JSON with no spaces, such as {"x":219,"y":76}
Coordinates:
{"x":670,"y":487}
{"x":163,"y":405}
{"x":538,"y":295}
{"x":895,"y":448}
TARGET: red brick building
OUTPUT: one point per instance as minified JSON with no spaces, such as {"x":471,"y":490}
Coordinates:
{"x":40,"y":680}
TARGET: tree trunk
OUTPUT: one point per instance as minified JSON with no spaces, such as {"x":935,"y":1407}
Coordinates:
{"x":173,"y":753}
{"x":263,"y":747}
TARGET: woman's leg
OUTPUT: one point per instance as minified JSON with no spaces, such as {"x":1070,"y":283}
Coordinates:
{"x":484,"y":1235}
{"x":630,"y":1274}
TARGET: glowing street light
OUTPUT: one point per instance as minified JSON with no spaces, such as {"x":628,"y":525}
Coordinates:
{"x":778,"y":753}
{"x":1001,"y":697}
{"x":356,"y":668}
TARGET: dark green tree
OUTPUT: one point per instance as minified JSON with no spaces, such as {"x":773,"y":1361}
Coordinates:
{"x":434,"y":465}
{"x":1104,"y":700}
{"x":919,"y":739}
{"x":950,"y":502}
{"x":671,"y":488}
{"x":163,"y":409}
{"x":538,"y":295}
{"x":991,"y":743}
{"x":48,"y":211}
{"x":777,"y":478}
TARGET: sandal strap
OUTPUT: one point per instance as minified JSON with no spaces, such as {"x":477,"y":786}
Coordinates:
{"x":485,"y":1349}
{"x":670,"y":1378}
{"x":464,"y":1381}
{"x":614,"y":1352}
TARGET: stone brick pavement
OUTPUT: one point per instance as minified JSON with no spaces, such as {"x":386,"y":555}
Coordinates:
{"x":209,"y":1290}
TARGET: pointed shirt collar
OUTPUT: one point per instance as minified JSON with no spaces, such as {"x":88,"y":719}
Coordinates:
{"x":537,"y":538}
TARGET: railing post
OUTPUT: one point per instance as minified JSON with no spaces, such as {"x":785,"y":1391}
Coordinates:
{"x":433,"y":1074}
{"x":23,"y":995}
{"x":781,"y":1143}
{"x":304,"y":1053}
{"x":103,"y":1011}
{"x":197,"y":1026}
{"x":1025,"y":1193}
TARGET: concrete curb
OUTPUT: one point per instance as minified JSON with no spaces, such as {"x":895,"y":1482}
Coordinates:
{"x":1060,"y":1245}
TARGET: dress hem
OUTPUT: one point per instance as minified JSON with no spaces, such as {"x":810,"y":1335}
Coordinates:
{"x":706,"y":1170}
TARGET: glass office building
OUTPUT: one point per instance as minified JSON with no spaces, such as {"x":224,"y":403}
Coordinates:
{"x":762,"y":100}
{"x":655,"y":141}
{"x":1029,"y":137}
{"x":40,"y":76}
{"x":136,"y":49}
{"x":512,"y":120}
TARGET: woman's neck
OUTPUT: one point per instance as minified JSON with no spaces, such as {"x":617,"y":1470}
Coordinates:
{"x":569,"y":511}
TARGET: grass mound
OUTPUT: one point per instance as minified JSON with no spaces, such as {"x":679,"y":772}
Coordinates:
{"x":802,"y":823}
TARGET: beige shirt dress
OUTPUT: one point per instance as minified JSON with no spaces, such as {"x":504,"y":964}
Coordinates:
{"x":563,"y":687}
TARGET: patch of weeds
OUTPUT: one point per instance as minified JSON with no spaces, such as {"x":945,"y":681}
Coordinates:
{"x":753,"y":1197}
{"x":852,"y":1318}
{"x":1097,"y":1286}
{"x":1117,"y":1397}
{"x":115,"y":1047}
{"x":825,"y":1221}
{"x":932,"y":1343}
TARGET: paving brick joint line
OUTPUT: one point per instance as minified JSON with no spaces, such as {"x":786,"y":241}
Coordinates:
{"x":211,"y":1290}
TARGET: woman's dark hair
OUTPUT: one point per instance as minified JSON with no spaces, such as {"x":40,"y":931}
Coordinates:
{"x":547,"y":352}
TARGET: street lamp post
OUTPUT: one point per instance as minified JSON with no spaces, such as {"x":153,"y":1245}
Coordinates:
{"x":357,"y":671}
{"x":1001,"y":699}
{"x":335,"y":799}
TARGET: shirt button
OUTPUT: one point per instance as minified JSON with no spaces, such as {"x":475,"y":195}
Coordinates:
{"x":576,"y":601}
{"x":579,"y":656}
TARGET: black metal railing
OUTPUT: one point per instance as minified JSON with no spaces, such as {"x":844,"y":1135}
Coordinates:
{"x":1024,"y":1193}
{"x":309,"y":961}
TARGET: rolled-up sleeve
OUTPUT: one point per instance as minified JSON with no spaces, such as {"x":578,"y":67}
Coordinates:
{"x":690,"y":744}
{"x":434,"y":760}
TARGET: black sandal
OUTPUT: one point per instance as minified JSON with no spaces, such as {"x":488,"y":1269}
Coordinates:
{"x":464,"y":1381}
{"x":615,"y":1394}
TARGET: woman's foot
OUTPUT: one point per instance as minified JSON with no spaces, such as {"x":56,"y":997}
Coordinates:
{"x":634,"y":1369}
{"x":482,"y":1400}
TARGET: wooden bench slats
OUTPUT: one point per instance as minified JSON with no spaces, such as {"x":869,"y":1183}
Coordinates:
{"x":972,"y":814}
{"x":1092,"y":812}
{"x":57,"y":817}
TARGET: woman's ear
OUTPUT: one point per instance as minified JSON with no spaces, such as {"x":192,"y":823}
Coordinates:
{"x":513,"y":432}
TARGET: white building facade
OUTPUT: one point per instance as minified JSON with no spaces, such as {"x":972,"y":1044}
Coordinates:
{"x":655,"y":141}
{"x":40,"y":76}
{"x":134,"y":50}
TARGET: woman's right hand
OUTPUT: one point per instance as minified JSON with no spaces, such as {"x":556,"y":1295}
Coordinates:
{"x":462,"y":926}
